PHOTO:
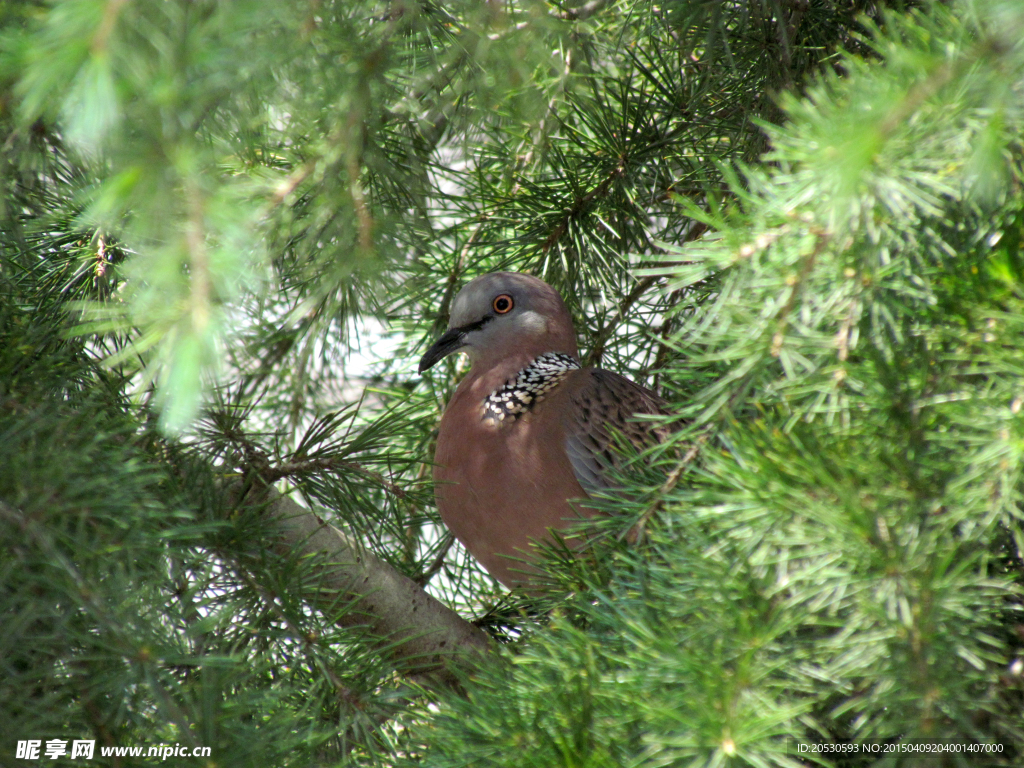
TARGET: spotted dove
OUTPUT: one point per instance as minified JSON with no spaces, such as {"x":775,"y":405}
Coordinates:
{"x":529,"y":434}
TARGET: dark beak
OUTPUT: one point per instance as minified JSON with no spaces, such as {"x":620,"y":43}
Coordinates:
{"x":448,"y":343}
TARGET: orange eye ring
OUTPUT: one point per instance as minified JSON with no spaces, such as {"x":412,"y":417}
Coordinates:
{"x":503,"y":304}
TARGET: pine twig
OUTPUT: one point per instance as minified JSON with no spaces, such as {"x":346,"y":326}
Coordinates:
{"x":290,"y":468}
{"x":438,"y":562}
{"x":636,"y":532}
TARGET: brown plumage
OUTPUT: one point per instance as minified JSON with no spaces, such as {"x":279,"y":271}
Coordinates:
{"x":527,"y":431}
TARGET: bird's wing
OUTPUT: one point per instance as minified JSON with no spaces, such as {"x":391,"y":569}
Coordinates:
{"x":601,"y":405}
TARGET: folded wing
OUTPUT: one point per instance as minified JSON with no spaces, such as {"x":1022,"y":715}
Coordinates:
{"x":605,"y":404}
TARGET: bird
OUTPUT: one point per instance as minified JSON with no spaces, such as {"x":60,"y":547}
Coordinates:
{"x":529,"y":434}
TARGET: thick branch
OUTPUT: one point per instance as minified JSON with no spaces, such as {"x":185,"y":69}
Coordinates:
{"x":426,"y":638}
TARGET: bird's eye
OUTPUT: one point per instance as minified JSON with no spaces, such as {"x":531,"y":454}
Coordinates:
{"x":503,"y":304}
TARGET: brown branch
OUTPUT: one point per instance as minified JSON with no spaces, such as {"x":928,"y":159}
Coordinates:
{"x":452,"y":283}
{"x":636,"y":532}
{"x":542,"y":126}
{"x":797,"y":9}
{"x":664,"y":335}
{"x":438,"y":563}
{"x":426,"y":640}
{"x":787,"y":29}
{"x":106,"y":27}
{"x":580,"y":205}
{"x":199,"y":258}
{"x":356,"y":128}
{"x":632,"y":297}
{"x":797,"y":282}
{"x":292,"y":182}
{"x":606,"y":331}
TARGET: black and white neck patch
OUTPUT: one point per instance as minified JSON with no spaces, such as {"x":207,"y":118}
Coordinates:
{"x":528,"y":387}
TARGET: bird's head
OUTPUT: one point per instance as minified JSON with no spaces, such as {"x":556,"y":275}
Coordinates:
{"x":497,"y":315}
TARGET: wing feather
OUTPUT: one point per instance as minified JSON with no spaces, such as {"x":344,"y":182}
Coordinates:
{"x":603,"y":405}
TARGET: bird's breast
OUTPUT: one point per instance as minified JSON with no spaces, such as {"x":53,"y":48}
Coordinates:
{"x":503,"y":483}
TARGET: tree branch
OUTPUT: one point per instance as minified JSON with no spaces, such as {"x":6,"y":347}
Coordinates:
{"x":426,"y":639}
{"x":594,"y":358}
{"x":581,"y":204}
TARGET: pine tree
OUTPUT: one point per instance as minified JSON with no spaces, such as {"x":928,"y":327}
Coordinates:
{"x":229,"y":227}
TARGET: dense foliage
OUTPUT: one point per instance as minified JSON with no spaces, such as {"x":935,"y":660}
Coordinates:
{"x":228,"y":227}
